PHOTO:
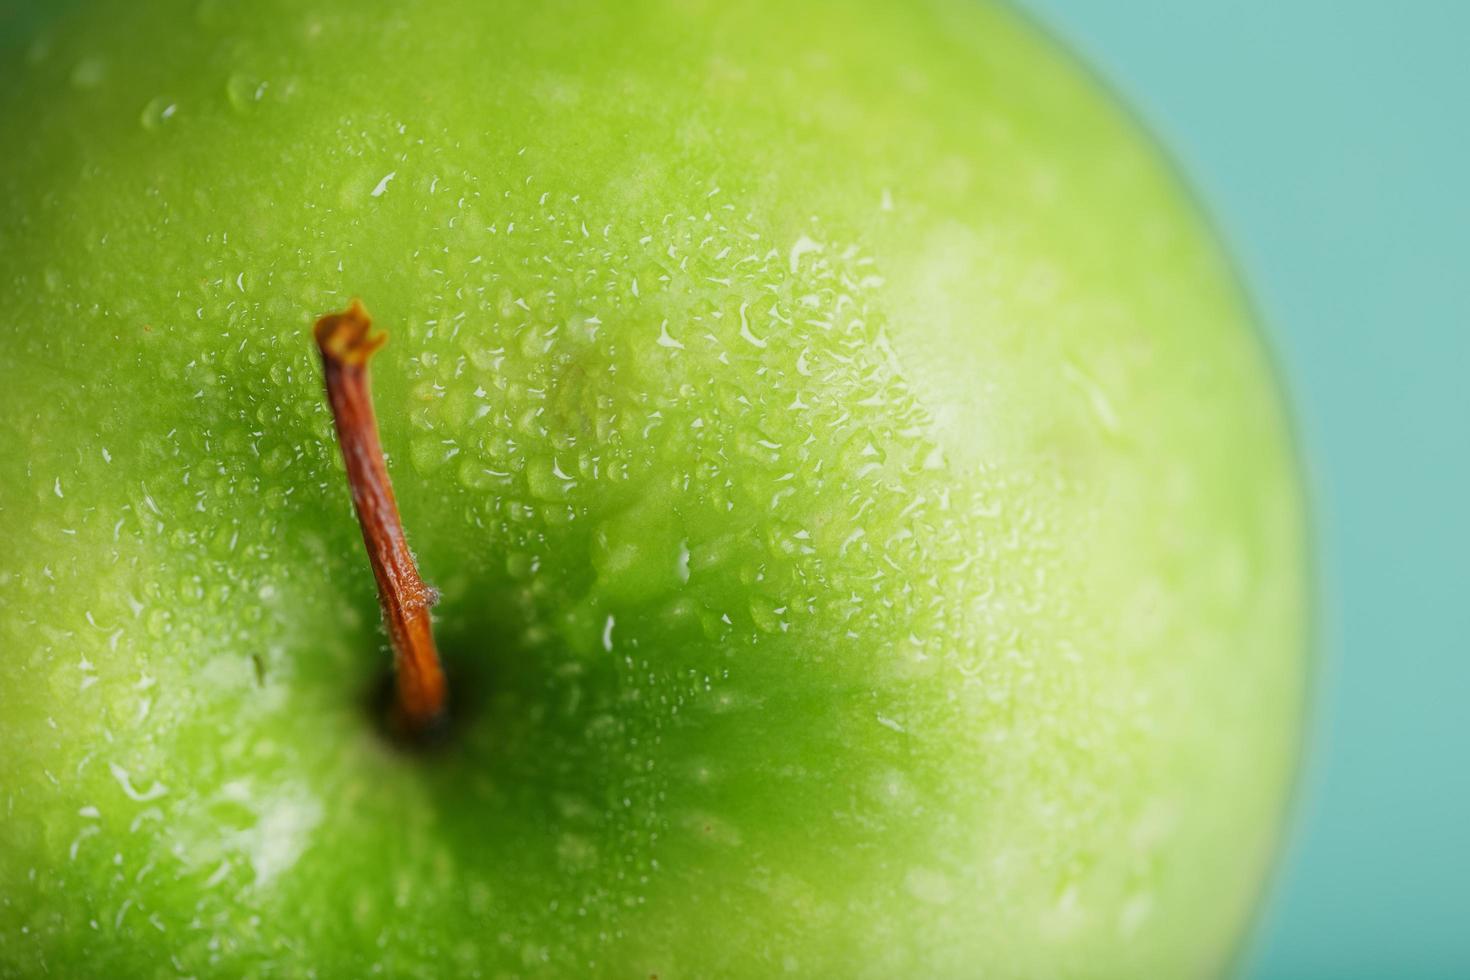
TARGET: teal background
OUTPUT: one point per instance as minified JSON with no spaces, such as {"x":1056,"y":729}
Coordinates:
{"x":1331,"y":142}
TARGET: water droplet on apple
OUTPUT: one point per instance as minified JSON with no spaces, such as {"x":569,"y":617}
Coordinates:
{"x":929,"y":886}
{"x":768,"y":614}
{"x":159,"y":111}
{"x":38,"y":51}
{"x":88,"y":73}
{"x":245,"y":91}
{"x":276,"y":460}
{"x":158,"y":623}
{"x":547,"y":480}
{"x":482,"y":354}
{"x":1095,"y":395}
{"x":427,"y":454}
{"x":473,"y":474}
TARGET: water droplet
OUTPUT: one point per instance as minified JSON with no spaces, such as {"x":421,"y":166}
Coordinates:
{"x":475,"y":475}
{"x":159,"y":111}
{"x":766,"y":613}
{"x":427,"y":454}
{"x":88,"y":73}
{"x":575,"y":853}
{"x":158,"y":623}
{"x":929,"y":886}
{"x":245,"y":91}
{"x":482,"y":355}
{"x":38,"y":51}
{"x":1096,"y":396}
{"x":276,"y":460}
{"x":546,"y":479}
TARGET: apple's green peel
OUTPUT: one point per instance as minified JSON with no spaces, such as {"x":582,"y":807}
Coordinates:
{"x":859,"y":504}
{"x":347,"y":345}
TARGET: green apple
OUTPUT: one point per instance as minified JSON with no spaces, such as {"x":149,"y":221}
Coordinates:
{"x":869,"y":536}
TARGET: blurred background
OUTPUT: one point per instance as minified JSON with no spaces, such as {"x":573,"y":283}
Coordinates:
{"x":1330,"y":139}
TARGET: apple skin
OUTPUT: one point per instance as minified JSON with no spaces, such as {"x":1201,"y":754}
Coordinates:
{"x":869,"y":534}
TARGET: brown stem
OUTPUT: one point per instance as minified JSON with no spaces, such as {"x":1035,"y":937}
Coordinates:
{"x":346,"y":348}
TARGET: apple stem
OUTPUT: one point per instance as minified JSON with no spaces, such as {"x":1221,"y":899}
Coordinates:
{"x":346,"y":347}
